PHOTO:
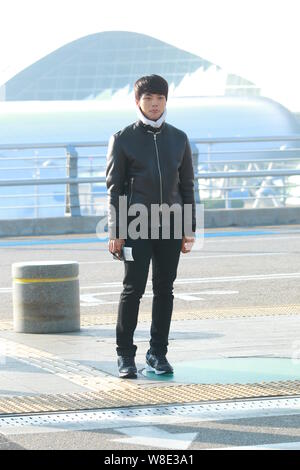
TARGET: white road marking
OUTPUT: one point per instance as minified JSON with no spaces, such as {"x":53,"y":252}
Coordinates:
{"x":187,"y":297}
{"x":215,"y":292}
{"x":193,"y":295}
{"x":192,"y":280}
{"x":278,"y":446}
{"x":190,"y":257}
{"x":155,"y":437}
{"x":92,"y":300}
{"x":235,"y":255}
{"x":250,"y":277}
{"x":249,"y":238}
{"x":150,"y":293}
{"x":198,"y":280}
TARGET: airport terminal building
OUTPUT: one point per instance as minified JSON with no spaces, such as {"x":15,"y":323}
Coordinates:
{"x":106,"y":64}
{"x":82,"y":92}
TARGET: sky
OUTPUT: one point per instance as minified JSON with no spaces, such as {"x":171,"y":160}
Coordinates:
{"x":256,"y":39}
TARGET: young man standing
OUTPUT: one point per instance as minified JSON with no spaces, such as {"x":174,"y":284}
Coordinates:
{"x":150,"y":162}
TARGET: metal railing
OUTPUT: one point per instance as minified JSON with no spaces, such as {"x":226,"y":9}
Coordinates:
{"x":223,"y":177}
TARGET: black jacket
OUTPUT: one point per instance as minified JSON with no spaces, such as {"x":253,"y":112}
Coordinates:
{"x":151,"y":166}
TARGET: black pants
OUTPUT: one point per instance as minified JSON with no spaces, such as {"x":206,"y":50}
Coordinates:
{"x":165,"y":254}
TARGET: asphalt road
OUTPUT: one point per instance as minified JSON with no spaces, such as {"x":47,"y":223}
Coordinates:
{"x":236,"y":268}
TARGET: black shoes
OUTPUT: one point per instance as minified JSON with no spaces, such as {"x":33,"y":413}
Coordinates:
{"x":127,"y":367}
{"x":158,"y":363}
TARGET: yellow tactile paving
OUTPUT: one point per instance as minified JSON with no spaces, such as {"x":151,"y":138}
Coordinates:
{"x":105,"y":391}
{"x":140,"y":395}
{"x":233,"y":312}
{"x":87,"y":377}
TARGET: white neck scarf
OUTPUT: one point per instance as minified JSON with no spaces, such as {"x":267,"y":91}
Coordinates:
{"x":148,"y":122}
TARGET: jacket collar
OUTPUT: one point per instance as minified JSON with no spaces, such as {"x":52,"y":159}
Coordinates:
{"x":147,"y":124}
{"x":147,"y":128}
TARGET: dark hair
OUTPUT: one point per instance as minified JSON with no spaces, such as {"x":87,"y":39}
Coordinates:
{"x":151,"y":84}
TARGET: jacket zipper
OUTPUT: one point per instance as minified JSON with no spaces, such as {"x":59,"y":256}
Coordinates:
{"x":131,"y":189}
{"x":160,"y":178}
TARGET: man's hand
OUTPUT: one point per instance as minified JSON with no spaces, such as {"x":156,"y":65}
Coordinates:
{"x":187,"y":243}
{"x":115,"y":245}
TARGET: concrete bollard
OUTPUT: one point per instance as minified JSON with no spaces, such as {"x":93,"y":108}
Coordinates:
{"x":46,"y":297}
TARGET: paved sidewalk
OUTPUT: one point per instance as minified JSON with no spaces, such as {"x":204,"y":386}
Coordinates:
{"x":237,"y":311}
{"x":42,"y":374}
{"x":33,"y":365}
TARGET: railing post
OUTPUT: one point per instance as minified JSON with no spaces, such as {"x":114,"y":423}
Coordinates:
{"x":72,"y":196}
{"x":226,"y":190}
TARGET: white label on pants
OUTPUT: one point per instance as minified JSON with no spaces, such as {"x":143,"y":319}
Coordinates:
{"x":127,"y":250}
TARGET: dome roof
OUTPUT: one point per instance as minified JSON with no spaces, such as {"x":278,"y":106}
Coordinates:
{"x":74,"y":121}
{"x":101,"y":64}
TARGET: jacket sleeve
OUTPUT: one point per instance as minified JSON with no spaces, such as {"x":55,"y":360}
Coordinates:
{"x":116,"y":176}
{"x":186,"y":184}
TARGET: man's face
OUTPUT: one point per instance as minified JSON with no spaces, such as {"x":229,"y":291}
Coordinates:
{"x":152,"y":105}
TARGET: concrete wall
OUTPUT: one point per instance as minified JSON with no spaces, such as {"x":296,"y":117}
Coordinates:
{"x":212,"y":218}
{"x":48,"y":226}
{"x":251,"y":217}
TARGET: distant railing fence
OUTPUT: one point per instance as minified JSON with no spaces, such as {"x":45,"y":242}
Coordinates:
{"x":52,"y":179}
